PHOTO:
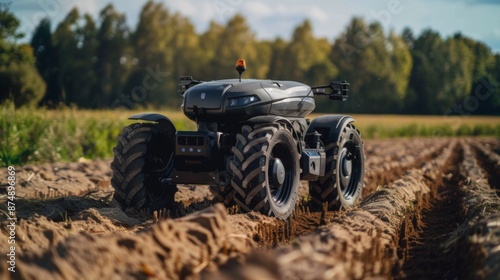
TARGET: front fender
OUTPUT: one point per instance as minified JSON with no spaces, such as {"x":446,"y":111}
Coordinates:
{"x":329,"y":126}
{"x":155,"y":117}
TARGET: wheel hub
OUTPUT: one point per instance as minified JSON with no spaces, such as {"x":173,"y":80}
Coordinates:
{"x":345,"y":168}
{"x":278,"y":173}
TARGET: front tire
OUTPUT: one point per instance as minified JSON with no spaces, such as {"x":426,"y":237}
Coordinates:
{"x":342,"y":184}
{"x":142,"y":154}
{"x":265,"y":169}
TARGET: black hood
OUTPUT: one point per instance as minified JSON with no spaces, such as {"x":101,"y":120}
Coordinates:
{"x":206,"y":95}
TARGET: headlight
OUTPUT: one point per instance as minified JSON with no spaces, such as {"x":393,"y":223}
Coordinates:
{"x":242,"y":101}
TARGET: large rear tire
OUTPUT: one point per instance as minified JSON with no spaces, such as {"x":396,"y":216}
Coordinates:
{"x":342,"y":184}
{"x":265,"y":170}
{"x":142,"y":154}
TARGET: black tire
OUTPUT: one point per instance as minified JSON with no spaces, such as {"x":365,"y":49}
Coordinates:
{"x":259,"y":151}
{"x":142,"y":153}
{"x":223,"y":194}
{"x":344,"y":172}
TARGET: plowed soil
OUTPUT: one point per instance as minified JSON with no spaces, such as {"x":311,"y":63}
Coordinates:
{"x":430,"y":210}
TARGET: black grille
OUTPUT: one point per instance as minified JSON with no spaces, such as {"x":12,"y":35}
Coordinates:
{"x":190,"y":140}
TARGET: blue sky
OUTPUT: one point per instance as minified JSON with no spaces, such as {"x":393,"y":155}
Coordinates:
{"x":479,"y":19}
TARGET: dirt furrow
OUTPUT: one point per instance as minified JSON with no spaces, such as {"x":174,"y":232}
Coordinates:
{"x":423,"y":256}
{"x":383,"y":148}
{"x":389,"y":171}
{"x":490,"y":162}
{"x":434,"y":217}
{"x":53,"y":180}
{"x":492,"y":144}
{"x":460,"y":229}
{"x":274,"y":232}
{"x":171,"y":249}
{"x":378,"y":154}
{"x":378,"y":150}
{"x":278,"y":233}
{"x":359,"y":244}
{"x":476,"y":241}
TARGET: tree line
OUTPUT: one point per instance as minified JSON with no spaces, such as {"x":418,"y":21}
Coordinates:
{"x":103,"y":63}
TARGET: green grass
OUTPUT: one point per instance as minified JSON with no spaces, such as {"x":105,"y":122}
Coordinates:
{"x":393,"y":126}
{"x":69,"y":134}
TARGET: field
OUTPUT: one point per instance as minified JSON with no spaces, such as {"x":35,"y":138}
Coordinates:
{"x":430,"y":210}
{"x":68,"y":135}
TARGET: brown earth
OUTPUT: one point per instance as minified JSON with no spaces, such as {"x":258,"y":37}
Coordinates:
{"x":430,"y":210}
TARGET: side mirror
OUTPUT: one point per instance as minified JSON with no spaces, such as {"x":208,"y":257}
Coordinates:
{"x":340,"y":90}
{"x":186,"y":82}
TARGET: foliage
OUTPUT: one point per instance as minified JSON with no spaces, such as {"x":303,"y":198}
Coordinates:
{"x":310,"y":61}
{"x":68,"y":134}
{"x":19,"y":80}
{"x":46,"y":56}
{"x":447,"y":73}
{"x":21,"y":134}
{"x":377,"y":66}
{"x":21,"y":83}
{"x":30,"y":136}
{"x":104,"y":63}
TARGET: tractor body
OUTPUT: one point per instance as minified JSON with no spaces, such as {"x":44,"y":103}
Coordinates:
{"x":253,"y":145}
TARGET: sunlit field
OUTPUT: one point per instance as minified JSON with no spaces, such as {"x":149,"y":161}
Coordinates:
{"x":392,"y":126}
{"x":70,"y":134}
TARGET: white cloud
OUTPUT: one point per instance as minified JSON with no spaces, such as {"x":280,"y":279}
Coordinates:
{"x":87,"y":6}
{"x":281,"y":9}
{"x":184,"y":7}
{"x":317,"y":14}
{"x":257,"y":9}
{"x":200,"y":12}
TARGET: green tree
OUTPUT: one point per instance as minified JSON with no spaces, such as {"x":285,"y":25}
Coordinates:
{"x":21,"y":83}
{"x":209,"y":42}
{"x":83,"y":81}
{"x":261,"y":64}
{"x":408,"y":37}
{"x":304,"y":58}
{"x":485,"y":87}
{"x":322,"y":71}
{"x":8,"y":35}
{"x":277,"y":59}
{"x":442,"y":74}
{"x":65,"y":41}
{"x":46,"y":62}
{"x":109,"y":46}
{"x":457,"y":70}
{"x":165,"y":46}
{"x":426,"y":78}
{"x":150,"y":46}
{"x":19,"y":79}
{"x":236,"y":41}
{"x":93,"y":63}
{"x":483,"y":57}
{"x":377,"y":67}
{"x":184,"y":55}
{"x":90,"y":60}
{"x":491,"y":84}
